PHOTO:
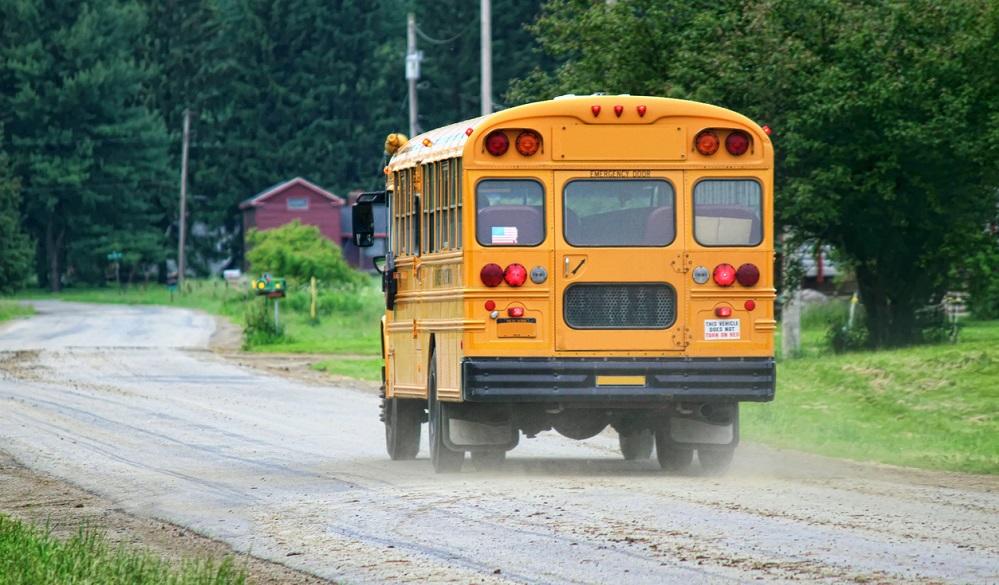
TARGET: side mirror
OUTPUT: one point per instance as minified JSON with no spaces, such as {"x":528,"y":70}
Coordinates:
{"x":363,"y":218}
{"x":379,"y":263}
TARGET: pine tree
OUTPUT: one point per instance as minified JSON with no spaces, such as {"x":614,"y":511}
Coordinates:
{"x":90,"y":154}
{"x":16,"y":250}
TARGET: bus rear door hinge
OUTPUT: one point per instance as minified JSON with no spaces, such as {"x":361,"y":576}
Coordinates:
{"x":682,"y":337}
{"x":682,"y":263}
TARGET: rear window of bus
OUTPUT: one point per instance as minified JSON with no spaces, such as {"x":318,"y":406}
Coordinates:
{"x":509,"y":212}
{"x":634,"y":213}
{"x":728,"y":212}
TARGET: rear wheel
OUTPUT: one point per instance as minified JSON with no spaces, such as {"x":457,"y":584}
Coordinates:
{"x":403,"y":419}
{"x":636,"y":445}
{"x":671,"y":457}
{"x":444,"y":460}
{"x":715,"y":461}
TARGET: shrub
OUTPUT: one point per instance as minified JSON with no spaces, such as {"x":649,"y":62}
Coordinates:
{"x":298,"y":252}
{"x":260,"y":328}
{"x":845,"y":337}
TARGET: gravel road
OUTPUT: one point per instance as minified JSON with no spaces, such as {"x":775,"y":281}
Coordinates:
{"x":127,"y":402}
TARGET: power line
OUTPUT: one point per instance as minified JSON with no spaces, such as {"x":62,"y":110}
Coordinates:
{"x":434,"y":41}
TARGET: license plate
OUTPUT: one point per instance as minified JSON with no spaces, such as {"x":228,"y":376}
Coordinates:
{"x":717,"y":329}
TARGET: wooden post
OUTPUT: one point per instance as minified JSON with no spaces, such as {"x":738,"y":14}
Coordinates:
{"x":182,"y":226}
{"x":314,"y":293}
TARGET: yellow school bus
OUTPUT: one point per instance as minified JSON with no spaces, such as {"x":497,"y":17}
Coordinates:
{"x":575,"y":264}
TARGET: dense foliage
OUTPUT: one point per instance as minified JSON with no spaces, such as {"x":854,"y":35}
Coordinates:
{"x":92,"y":96}
{"x":15,"y":247}
{"x":886,"y":116}
{"x":299,"y":252}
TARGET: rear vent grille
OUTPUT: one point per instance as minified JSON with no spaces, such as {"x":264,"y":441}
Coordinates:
{"x":620,"y":306}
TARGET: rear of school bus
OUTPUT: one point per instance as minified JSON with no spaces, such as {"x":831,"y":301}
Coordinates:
{"x":618,"y":269}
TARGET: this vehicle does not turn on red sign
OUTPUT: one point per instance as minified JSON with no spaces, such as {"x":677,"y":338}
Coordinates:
{"x":721,"y":329}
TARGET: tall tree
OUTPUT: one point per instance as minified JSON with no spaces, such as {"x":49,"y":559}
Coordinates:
{"x":885,"y":113}
{"x":16,"y":252}
{"x":449,"y":40}
{"x":89,"y":153}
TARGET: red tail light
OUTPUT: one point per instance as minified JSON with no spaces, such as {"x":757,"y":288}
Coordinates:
{"x":497,"y":143}
{"x":491,"y":275}
{"x":724,"y":274}
{"x":515,"y":275}
{"x":747,"y":274}
{"x":723,"y":311}
{"x":706,"y":142}
{"x":737,"y":143}
{"x":515,"y":312}
{"x":528,"y":142}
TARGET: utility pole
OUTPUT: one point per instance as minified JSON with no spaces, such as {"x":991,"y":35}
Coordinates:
{"x":181,"y":260}
{"x":487,"y":56}
{"x":413,"y":58}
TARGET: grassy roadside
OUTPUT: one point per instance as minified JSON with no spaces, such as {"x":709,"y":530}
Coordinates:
{"x":10,"y":310}
{"x":31,"y":555}
{"x":932,"y":406}
{"x":348,"y":321}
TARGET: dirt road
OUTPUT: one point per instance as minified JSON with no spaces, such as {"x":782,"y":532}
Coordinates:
{"x":126,"y":402}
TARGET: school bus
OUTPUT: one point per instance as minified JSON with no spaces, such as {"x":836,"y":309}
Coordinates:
{"x":575,"y":264}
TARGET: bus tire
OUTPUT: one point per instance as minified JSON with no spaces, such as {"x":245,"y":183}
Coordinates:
{"x":443,"y":459}
{"x":671,"y":457}
{"x":636,"y":445}
{"x":715,"y":461}
{"x":403,"y":419}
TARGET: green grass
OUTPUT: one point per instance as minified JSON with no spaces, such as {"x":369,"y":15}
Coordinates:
{"x":10,"y":310}
{"x":931,"y":406}
{"x":361,"y":368}
{"x":29,"y":555}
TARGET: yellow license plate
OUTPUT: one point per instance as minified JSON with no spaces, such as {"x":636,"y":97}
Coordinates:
{"x":620,"y":380}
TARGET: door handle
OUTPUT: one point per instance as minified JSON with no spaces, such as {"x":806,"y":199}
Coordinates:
{"x":566,"y":273}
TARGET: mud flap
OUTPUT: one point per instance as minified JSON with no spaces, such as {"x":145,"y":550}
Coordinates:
{"x":463,"y":434}
{"x":699,"y":431}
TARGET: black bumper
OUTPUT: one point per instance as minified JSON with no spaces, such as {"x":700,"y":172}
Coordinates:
{"x":575,"y":379}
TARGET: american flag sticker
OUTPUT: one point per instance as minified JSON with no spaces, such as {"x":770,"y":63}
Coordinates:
{"x":504,"y":235}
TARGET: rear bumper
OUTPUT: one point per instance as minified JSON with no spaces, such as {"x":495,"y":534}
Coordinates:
{"x":575,"y":379}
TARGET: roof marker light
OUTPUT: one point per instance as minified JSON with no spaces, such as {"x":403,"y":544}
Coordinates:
{"x":767,"y":130}
{"x":427,"y":142}
{"x":618,"y":110}
{"x":468,"y":131}
{"x":641,"y":111}
{"x":595,"y":110}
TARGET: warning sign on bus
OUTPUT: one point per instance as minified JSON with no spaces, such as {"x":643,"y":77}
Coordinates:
{"x":721,"y":329}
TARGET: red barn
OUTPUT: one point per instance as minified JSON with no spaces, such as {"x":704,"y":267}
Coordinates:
{"x":295,"y":199}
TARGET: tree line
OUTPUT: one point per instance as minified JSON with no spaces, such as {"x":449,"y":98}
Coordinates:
{"x":885,"y":116}
{"x":93,"y":96}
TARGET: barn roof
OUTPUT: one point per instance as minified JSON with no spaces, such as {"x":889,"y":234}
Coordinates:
{"x":273,"y":190}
